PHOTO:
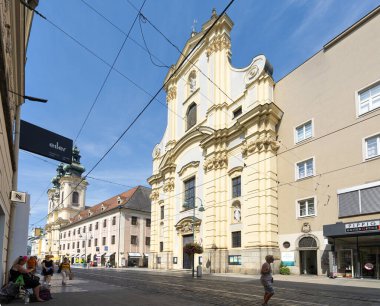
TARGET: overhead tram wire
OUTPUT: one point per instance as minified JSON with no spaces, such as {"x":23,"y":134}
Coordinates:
{"x":278,"y":183}
{"x":144,"y":108}
{"x":179,"y":50}
{"x":98,"y":57}
{"x":109,"y":72}
{"x":159,"y":101}
{"x":151,"y":56}
{"x":332,"y":132}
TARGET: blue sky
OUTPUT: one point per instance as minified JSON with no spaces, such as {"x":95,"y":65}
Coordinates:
{"x":287,"y":32}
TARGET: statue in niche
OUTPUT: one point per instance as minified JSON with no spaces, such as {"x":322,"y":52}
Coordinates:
{"x":192,"y":82}
{"x":237,"y":214}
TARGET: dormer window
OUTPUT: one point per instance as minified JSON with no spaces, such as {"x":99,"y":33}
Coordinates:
{"x":192,"y":82}
{"x":103,"y":208}
{"x":118,"y":200}
{"x":89,"y":213}
{"x":191,"y":116}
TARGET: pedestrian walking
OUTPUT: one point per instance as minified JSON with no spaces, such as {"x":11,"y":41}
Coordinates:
{"x":47,"y":269}
{"x":65,"y":270}
{"x":267,"y":278}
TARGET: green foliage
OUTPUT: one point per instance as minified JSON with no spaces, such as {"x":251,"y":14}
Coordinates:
{"x":284,"y":270}
{"x":193,"y":248}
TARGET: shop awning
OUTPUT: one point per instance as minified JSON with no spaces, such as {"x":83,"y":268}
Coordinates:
{"x":109,"y":254}
{"x":146,"y":254}
{"x":134,"y":254}
{"x":83,"y":255}
{"x":100,"y":255}
{"x":89,"y":255}
{"x":77,"y":256}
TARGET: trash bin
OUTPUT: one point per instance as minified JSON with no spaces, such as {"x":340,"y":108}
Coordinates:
{"x":199,"y":271}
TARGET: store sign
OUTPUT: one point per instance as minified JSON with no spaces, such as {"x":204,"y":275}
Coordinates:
{"x":43,"y":142}
{"x":18,"y":196}
{"x":363,"y":226}
{"x":287,"y":258}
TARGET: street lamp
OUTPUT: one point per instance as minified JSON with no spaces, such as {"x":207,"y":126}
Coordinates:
{"x":191,"y":205}
{"x":85,"y":247}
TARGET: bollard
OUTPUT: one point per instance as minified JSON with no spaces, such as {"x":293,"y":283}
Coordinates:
{"x":199,"y":271}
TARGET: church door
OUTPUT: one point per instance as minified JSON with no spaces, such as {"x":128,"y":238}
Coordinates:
{"x":187,"y":258}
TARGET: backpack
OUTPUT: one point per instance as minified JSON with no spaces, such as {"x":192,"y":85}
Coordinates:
{"x":45,"y":294}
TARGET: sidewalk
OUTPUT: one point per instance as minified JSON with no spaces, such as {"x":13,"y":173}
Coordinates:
{"x":235,"y":277}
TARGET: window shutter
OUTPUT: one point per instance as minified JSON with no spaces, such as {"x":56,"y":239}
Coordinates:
{"x":349,"y":204}
{"x":370,"y":200}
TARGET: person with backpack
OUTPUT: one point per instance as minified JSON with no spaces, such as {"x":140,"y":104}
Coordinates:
{"x":30,"y":281}
{"x":65,"y":270}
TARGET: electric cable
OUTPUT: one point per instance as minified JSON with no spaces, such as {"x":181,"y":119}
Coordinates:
{"x":109,"y":72}
{"x":145,"y":107}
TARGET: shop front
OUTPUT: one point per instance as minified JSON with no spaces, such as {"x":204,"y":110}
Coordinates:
{"x":355,"y":249}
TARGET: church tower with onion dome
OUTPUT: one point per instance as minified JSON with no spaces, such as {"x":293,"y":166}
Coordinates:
{"x":66,"y":199}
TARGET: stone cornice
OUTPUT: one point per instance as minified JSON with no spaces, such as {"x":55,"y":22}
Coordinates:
{"x":216,"y":107}
{"x":193,"y":164}
{"x":237,"y":169}
{"x":155,"y":178}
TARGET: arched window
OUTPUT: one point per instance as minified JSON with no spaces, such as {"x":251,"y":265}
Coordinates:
{"x":307,"y":242}
{"x":75,"y":198}
{"x":191,"y":116}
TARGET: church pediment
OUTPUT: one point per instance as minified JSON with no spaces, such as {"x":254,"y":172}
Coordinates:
{"x":188,"y":226}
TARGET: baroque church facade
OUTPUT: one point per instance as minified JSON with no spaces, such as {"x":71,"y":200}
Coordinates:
{"x":221,"y":121}
{"x":248,"y":166}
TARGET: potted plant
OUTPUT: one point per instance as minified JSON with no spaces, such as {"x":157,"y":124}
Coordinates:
{"x":193,"y":248}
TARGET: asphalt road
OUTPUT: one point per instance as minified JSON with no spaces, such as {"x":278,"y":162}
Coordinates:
{"x":130,"y":287}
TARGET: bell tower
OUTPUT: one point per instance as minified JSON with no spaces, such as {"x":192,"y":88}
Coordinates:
{"x":66,"y":199}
